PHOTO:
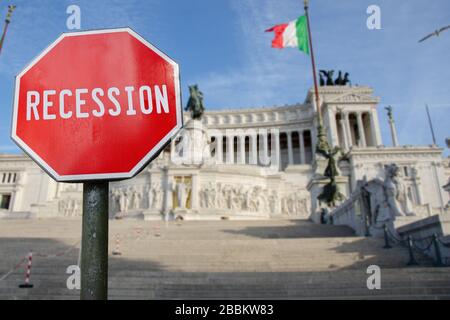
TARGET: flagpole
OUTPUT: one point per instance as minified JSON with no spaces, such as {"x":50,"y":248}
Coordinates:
{"x":7,"y":22}
{"x":322,"y":143}
{"x":431,"y":124}
{"x":312,"y":59}
{"x":5,"y":29}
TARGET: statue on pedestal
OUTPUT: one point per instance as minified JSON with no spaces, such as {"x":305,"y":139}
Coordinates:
{"x":346,"y":79}
{"x":392,"y":126}
{"x":330,"y":194}
{"x":397,"y":193}
{"x":339,"y":80}
{"x":388,"y":199}
{"x":326,"y":78}
{"x":193,"y":144}
{"x":195,"y":103}
{"x":390,"y":113}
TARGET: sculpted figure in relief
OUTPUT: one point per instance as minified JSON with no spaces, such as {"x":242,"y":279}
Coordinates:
{"x":181,"y":193}
{"x":135,"y":199}
{"x":250,"y":199}
{"x":157,"y":197}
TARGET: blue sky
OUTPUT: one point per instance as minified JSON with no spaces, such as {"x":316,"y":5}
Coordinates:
{"x":221,"y":45}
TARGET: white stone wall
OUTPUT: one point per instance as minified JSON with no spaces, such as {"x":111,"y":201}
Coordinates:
{"x":281,"y":190}
{"x":424,"y":166}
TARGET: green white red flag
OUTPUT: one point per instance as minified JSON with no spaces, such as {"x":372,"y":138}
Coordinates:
{"x":292,"y":34}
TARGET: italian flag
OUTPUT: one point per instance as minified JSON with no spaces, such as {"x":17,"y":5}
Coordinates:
{"x":292,"y":34}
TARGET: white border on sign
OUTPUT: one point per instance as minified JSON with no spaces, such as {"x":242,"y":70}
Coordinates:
{"x":106,"y":176}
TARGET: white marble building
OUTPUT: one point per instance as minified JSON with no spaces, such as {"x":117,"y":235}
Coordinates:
{"x":237,"y":171}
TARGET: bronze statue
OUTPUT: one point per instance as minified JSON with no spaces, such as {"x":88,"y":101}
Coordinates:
{"x":329,"y":76}
{"x":339,"y":80}
{"x":330,"y":193}
{"x":346,"y":79}
{"x":195,"y":103}
{"x":323,"y":75}
{"x":326,"y":78}
{"x":390,"y":113}
{"x":331,"y":169}
{"x":322,"y":81}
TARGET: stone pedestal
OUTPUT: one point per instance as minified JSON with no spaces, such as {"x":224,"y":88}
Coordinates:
{"x":319,"y":166}
{"x":179,"y":213}
{"x":193,"y":148}
{"x":315,"y":187}
{"x":153,"y":215}
{"x":130,"y":215}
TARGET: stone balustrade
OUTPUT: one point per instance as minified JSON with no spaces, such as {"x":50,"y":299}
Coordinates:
{"x":352,"y":213}
{"x":422,"y":232}
{"x":258,"y":117}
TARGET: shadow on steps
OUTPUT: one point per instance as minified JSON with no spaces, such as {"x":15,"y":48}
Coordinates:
{"x":297,"y":229}
{"x":165,"y":274}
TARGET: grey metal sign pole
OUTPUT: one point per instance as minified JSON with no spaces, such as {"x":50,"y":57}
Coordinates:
{"x":94,"y":247}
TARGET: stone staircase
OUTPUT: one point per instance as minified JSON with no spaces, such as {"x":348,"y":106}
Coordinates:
{"x":271,"y":259}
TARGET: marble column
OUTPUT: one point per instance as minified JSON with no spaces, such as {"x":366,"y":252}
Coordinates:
{"x":194,"y":192}
{"x":12,"y":201}
{"x":290,"y":150}
{"x":376,"y":127}
{"x":264,"y":148}
{"x":301,"y":139}
{"x":434,"y":165}
{"x":275,"y":154}
{"x":362,"y":135}
{"x":230,"y":149}
{"x":253,"y":158}
{"x":167,"y":192}
{"x":16,"y":205}
{"x":373,"y":132}
{"x":348,"y":129}
{"x":219,"y":149}
{"x":393,"y":133}
{"x":344,"y":133}
{"x":241,"y":154}
{"x":333,"y":128}
{"x":417,"y":185}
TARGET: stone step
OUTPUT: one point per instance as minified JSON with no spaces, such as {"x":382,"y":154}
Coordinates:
{"x":215,"y":278}
{"x":339,"y":297}
{"x":213,"y":260}
{"x":206,"y":292}
{"x":331,"y":279}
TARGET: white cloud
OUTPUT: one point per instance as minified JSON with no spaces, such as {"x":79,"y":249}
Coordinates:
{"x":265,"y":76}
{"x":391,"y":61}
{"x":37,"y":24}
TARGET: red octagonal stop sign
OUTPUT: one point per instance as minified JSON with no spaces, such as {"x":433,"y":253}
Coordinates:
{"x":97,"y":105}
